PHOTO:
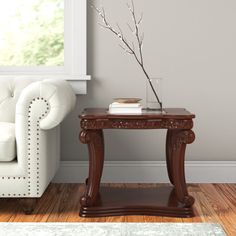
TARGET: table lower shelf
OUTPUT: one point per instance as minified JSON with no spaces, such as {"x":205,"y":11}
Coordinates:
{"x":115,"y":201}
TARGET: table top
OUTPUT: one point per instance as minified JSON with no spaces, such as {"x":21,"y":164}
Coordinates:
{"x":169,"y":113}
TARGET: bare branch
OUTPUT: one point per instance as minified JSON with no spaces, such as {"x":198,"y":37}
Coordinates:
{"x":122,"y":47}
{"x":127,"y":51}
{"x":136,"y":31}
{"x":118,"y":33}
{"x":140,"y":20}
{"x":103,"y":12}
{"x":104,"y":26}
{"x":132,"y":2}
{"x":126,"y":46}
{"x":130,"y":28}
{"x":133,"y":47}
{"x":95,"y":8}
{"x":129,"y":7}
{"x":120,"y":30}
{"x":142,"y":38}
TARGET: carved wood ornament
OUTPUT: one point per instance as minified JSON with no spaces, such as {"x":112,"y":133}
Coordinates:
{"x":95,"y":201}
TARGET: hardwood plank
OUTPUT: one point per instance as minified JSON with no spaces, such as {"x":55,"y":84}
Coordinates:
{"x":68,"y":204}
{"x":220,"y":206}
{"x":213,"y":203}
{"x":228,"y":194}
{"x":227,"y":191}
{"x":8,"y":209}
{"x":47,"y":203}
{"x":61,"y":204}
{"x":43,"y":208}
{"x":193,"y":189}
{"x":134,"y":219}
{"x":172,"y":219}
{"x":156,"y":219}
{"x":114,"y":219}
{"x":73,"y":213}
{"x":205,"y":209}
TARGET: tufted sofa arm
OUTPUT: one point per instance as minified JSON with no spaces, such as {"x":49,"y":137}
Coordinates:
{"x":58,"y":97}
{"x":41,"y":107}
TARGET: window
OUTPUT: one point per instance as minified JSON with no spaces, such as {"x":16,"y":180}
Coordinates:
{"x":44,"y":38}
{"x":32,"y":33}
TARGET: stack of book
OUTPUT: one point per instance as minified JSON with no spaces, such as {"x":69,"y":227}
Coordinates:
{"x":125,"y":108}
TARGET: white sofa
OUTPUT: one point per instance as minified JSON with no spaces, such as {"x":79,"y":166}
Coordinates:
{"x":30,"y":115}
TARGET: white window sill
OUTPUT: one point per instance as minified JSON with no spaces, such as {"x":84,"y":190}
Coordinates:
{"x":78,"y":82}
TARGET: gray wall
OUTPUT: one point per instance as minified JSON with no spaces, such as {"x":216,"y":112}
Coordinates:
{"x":192,"y":45}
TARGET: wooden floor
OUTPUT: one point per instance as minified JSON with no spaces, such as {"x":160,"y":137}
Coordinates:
{"x":214,"y":203}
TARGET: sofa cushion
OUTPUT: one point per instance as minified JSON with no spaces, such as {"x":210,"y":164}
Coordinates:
{"x":10,"y":90}
{"x":7,"y":142}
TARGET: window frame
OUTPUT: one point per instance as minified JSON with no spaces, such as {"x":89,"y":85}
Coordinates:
{"x":75,"y":52}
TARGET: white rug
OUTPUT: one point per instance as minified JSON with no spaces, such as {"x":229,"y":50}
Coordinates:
{"x":110,"y":229}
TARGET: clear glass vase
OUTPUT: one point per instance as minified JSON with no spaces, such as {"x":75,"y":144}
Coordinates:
{"x":154,"y":94}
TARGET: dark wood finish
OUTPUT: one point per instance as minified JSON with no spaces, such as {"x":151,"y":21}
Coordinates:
{"x":174,"y":202}
{"x":28,"y":205}
{"x":169,"y":154}
{"x":94,"y":139}
{"x":135,"y":201}
{"x":176,"y":113}
{"x":170,"y":119}
{"x":180,"y":139}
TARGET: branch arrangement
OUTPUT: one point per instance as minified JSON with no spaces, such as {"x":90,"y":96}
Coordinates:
{"x":125,"y":45}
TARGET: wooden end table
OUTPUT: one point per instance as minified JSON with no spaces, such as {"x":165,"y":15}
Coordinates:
{"x":162,"y":201}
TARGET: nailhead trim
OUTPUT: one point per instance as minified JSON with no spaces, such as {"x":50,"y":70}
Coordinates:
{"x":38,"y":137}
{"x":29,"y":149}
{"x":6,"y":177}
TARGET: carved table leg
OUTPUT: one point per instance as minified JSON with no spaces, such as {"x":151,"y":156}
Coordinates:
{"x":169,"y":153}
{"x":179,"y":140}
{"x":95,"y":141}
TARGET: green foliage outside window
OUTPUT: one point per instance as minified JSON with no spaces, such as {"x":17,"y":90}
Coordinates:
{"x":32,"y":33}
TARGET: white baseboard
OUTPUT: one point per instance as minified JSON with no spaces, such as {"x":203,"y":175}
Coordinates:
{"x":149,"y":172}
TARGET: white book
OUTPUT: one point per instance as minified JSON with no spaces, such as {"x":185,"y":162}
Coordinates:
{"x":125,"y":105}
{"x":116,"y":110}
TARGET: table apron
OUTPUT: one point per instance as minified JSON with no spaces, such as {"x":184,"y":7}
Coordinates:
{"x":136,"y":124}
